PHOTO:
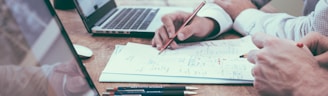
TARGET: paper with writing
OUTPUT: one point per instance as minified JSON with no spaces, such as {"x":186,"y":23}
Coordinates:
{"x":207,"y":59}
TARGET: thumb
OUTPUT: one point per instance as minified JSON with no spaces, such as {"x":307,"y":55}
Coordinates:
{"x":185,"y":33}
{"x":251,"y":56}
{"x":322,"y":59}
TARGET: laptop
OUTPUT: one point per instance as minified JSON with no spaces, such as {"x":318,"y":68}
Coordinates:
{"x":37,"y":57}
{"x":104,"y":17}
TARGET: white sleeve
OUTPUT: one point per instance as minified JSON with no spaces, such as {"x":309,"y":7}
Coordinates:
{"x":215,"y":12}
{"x":281,"y":24}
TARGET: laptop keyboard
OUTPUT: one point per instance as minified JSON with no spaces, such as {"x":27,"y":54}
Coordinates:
{"x":132,"y":18}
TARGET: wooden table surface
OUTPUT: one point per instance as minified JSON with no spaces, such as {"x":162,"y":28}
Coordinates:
{"x":103,"y":46}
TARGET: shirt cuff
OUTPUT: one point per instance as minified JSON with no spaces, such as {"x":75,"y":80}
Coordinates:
{"x":246,"y":20}
{"x":215,"y":12}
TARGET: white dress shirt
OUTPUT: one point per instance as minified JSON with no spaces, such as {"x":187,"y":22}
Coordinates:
{"x":218,"y":14}
{"x":283,"y":25}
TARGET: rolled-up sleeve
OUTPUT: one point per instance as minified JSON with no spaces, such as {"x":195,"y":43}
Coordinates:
{"x":211,"y":10}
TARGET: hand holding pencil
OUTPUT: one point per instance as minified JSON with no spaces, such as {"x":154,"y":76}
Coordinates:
{"x":182,"y":26}
{"x":195,"y":30}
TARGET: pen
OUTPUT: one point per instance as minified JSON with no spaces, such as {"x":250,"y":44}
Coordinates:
{"x":129,"y":95}
{"x":152,"y":93}
{"x":153,"y":88}
{"x":184,"y":24}
{"x":299,"y":45}
{"x":108,"y":94}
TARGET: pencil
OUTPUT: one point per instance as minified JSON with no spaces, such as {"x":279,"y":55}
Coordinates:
{"x":184,"y":24}
{"x":243,"y":56}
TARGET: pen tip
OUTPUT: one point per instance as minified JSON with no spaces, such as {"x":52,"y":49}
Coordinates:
{"x":191,"y":88}
{"x":190,"y":93}
{"x":111,"y":89}
{"x":160,"y":51}
{"x":105,"y":94}
{"x":243,"y":56}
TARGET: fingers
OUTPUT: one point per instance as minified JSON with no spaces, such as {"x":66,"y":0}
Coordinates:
{"x":322,"y":59}
{"x":318,"y":44}
{"x":173,"y":21}
{"x":157,"y":40}
{"x":311,"y":41}
{"x":262,"y":73}
{"x":251,"y":57}
{"x":185,"y":33}
{"x":169,"y":26}
{"x":257,"y":40}
{"x":161,"y":37}
{"x":198,"y":29}
{"x":259,"y":78}
{"x":261,"y":39}
{"x":167,"y":31}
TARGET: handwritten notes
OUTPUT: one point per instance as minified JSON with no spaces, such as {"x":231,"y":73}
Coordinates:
{"x":207,"y":59}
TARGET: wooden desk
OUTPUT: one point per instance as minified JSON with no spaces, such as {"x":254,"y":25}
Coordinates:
{"x":104,"y":46}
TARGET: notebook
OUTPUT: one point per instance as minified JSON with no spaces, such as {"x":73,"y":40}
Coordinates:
{"x":104,"y":17}
{"x":37,"y":57}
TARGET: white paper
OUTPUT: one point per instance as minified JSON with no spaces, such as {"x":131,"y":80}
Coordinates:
{"x":218,"y":59}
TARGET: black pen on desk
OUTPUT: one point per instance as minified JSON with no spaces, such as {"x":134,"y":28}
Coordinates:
{"x":154,"y":93}
{"x":183,"y":25}
{"x":153,"y":88}
{"x":129,"y":95}
{"x":108,"y":94}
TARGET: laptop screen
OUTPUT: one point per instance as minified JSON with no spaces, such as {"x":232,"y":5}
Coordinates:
{"x":36,"y":55}
{"x":94,"y":12}
{"x":90,"y":6}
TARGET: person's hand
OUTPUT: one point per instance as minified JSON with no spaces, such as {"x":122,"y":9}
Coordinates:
{"x":318,"y":45}
{"x":197,"y":29}
{"x":283,"y":69}
{"x":66,"y":79}
{"x":235,"y":7}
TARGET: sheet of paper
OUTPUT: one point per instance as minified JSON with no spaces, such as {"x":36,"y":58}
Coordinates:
{"x":116,"y":77}
{"x":112,"y":77}
{"x":209,"y":59}
{"x":230,"y":47}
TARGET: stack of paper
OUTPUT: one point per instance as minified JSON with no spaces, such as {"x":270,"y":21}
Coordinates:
{"x":210,"y":62}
